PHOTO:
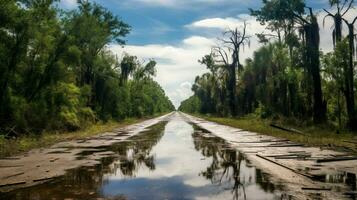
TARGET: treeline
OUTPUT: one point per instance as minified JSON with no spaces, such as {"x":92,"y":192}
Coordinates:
{"x":289,"y":76}
{"x":56,"y":72}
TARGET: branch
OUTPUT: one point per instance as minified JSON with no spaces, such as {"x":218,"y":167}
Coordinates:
{"x":222,"y":53}
{"x":328,"y":15}
{"x":300,"y":18}
{"x":354,"y":21}
{"x":225,"y":41}
{"x":348,"y":8}
{"x":310,"y":9}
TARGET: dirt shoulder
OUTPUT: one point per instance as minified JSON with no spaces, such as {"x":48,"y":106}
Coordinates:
{"x":23,"y":144}
{"x":319,"y":136}
{"x":40,"y":165}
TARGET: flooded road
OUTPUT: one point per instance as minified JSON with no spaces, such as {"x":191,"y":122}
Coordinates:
{"x":173,"y":159}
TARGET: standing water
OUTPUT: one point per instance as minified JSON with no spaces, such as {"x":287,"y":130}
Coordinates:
{"x":172,"y":160}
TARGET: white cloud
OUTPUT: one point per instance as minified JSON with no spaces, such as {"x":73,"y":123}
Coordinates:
{"x":184,"y":3}
{"x":219,"y":23}
{"x":186,"y":85}
{"x":229,"y":23}
{"x":198,"y":42}
{"x":68,"y":4}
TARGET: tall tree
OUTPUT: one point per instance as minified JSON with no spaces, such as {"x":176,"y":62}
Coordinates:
{"x":235,"y":41}
{"x":349,"y":77}
{"x":14,"y":38}
{"x":92,"y":28}
{"x":312,"y":63}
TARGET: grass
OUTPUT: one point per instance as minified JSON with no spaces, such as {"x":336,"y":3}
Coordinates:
{"x":10,"y":147}
{"x":321,"y":136}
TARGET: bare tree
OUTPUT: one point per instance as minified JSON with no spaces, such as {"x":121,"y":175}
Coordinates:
{"x":342,"y":8}
{"x":234,"y":40}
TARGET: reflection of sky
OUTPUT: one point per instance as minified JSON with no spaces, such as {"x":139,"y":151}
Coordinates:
{"x":177,"y":173}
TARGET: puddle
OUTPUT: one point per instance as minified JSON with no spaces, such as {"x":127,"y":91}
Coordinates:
{"x":172,"y":160}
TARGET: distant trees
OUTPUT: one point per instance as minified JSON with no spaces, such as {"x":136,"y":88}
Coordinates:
{"x":56,"y":72}
{"x":289,"y":76}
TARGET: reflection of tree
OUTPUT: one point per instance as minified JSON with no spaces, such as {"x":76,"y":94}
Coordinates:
{"x":85,"y":183}
{"x":136,"y":152}
{"x":225,"y":166}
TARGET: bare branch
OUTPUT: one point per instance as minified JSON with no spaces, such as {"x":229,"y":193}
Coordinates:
{"x":328,"y":15}
{"x":222,"y":53}
{"x":348,"y":8}
{"x":354,"y":21}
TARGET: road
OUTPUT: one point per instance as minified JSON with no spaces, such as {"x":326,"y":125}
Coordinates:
{"x":178,"y":156}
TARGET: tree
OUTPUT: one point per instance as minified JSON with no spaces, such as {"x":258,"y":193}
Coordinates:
{"x":341,"y":11}
{"x":92,"y":27}
{"x":349,"y":77}
{"x":293,"y":11}
{"x":128,"y":65}
{"x":235,"y":41}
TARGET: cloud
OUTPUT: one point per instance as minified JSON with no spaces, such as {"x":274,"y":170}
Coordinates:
{"x":196,"y":5}
{"x":186,"y":85}
{"x":179,"y":3}
{"x":198,"y":42}
{"x":68,"y":4}
{"x":219,"y":25}
{"x":177,"y":65}
{"x":229,"y":23}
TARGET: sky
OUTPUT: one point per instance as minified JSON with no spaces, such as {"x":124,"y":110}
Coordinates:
{"x":177,"y":33}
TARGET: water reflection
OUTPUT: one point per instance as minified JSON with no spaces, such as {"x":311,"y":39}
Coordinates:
{"x":229,"y":167}
{"x":135,"y":153}
{"x":225,"y":166}
{"x":173,"y":160}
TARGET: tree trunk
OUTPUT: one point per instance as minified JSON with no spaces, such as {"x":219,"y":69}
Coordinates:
{"x":352,"y":121}
{"x":313,"y":65}
{"x":338,"y":28}
{"x":232,"y":89}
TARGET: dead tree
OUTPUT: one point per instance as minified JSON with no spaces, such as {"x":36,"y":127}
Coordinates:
{"x":311,"y":39}
{"x":338,"y":18}
{"x":234,"y":40}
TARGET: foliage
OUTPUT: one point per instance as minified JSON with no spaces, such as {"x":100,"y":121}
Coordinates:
{"x":56,"y":72}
